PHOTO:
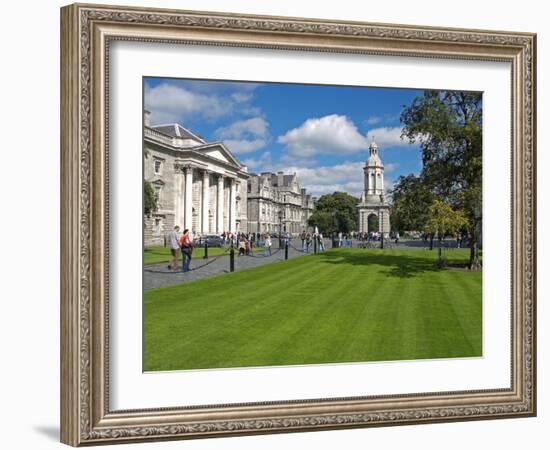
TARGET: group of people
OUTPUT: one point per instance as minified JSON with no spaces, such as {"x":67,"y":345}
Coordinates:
{"x":376,"y":236}
{"x":229,"y":238}
{"x":248,"y":241}
{"x":308,"y":239}
{"x":180,"y":244}
{"x":244,"y":242}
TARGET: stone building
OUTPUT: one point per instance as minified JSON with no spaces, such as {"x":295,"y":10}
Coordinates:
{"x":373,"y":199}
{"x":277,"y":202}
{"x":199,"y":185}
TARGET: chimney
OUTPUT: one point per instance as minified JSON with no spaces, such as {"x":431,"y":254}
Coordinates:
{"x":280,"y":179}
{"x":146,"y":118}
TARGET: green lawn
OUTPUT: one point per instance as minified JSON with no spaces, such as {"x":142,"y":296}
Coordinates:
{"x":156,"y":255}
{"x":337,"y":306}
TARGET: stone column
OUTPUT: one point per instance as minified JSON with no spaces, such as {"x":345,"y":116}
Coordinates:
{"x":219,"y":203}
{"x":233,"y":206}
{"x":179,"y":186}
{"x":188,"y":198}
{"x":205,"y":201}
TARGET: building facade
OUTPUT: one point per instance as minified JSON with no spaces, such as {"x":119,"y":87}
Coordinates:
{"x":276,"y":202}
{"x":198,"y":185}
{"x":373,"y":198}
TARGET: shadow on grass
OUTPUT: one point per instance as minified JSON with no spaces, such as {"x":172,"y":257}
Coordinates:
{"x":399,"y":265}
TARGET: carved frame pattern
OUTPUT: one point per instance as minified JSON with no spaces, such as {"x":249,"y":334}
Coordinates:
{"x":86,"y":418}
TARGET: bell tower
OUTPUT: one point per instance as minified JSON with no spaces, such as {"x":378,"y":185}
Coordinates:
{"x":373,"y":199}
{"x":374,"y":173}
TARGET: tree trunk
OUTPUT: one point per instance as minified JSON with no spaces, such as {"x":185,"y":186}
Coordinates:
{"x":431,"y":241}
{"x":474,"y":257}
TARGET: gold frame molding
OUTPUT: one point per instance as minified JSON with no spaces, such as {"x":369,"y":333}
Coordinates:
{"x":86,"y":31}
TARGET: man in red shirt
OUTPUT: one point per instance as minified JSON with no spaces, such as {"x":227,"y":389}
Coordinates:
{"x":186,"y":250}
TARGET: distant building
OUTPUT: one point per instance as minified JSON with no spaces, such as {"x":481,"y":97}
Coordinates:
{"x":199,"y":185}
{"x":277,"y":202}
{"x":373,"y":199}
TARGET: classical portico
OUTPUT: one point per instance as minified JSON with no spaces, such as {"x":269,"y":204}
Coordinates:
{"x":207,"y":202}
{"x":373,"y":199}
{"x":199,"y":186}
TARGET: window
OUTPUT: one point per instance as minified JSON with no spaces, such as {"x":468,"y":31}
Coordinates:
{"x":158,"y":194}
{"x":157,"y":226}
{"x":158,"y":166}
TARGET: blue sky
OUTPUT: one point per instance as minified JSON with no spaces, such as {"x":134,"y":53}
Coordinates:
{"x":320,"y":132}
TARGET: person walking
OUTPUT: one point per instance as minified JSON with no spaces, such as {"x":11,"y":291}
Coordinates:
{"x":320,"y":242}
{"x":303,"y":238}
{"x":242,"y":246}
{"x":186,"y":250}
{"x":267,"y":245}
{"x":308,"y":242}
{"x":173,"y":241}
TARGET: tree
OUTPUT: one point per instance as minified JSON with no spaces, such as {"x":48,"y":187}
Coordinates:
{"x":335,"y":212}
{"x":373,"y":224}
{"x":322,"y":220}
{"x":443,"y":220}
{"x":411,"y":200}
{"x":448,"y":127}
{"x":149,"y":199}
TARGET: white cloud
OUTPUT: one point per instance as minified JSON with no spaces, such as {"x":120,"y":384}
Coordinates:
{"x":244,"y":146}
{"x":387,"y":137}
{"x":245,"y":136}
{"x":169,"y":103}
{"x":345,"y":177}
{"x":373,"y":120}
{"x":384,"y":118}
{"x":177,"y":101}
{"x":256,"y":126}
{"x":241,"y":97}
{"x":328,"y":134}
{"x":262,"y":164}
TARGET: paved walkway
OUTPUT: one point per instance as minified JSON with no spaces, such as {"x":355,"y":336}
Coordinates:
{"x":158,"y":275}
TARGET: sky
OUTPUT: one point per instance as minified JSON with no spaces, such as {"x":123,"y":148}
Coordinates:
{"x":320,"y":132}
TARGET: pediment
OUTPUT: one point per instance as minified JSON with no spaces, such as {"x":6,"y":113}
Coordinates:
{"x":220,"y":152}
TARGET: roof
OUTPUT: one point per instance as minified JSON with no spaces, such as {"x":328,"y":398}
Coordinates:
{"x":374,"y":160}
{"x":203,"y":148}
{"x":177,"y":131}
{"x":287,"y":180}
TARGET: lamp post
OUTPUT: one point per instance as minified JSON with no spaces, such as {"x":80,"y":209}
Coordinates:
{"x":382,"y":228}
{"x":280,"y":214}
{"x":334,"y":229}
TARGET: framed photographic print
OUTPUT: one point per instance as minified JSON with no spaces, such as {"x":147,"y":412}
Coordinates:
{"x":277,"y":224}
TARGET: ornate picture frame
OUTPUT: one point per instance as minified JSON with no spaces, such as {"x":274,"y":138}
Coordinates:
{"x":87,"y":31}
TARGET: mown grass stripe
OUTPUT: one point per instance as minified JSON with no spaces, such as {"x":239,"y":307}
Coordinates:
{"x":339,"y":306}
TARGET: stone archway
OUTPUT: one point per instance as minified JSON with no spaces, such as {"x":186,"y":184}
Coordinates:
{"x":382,"y":213}
{"x":373,"y":222}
